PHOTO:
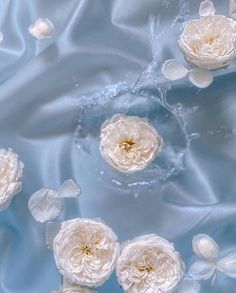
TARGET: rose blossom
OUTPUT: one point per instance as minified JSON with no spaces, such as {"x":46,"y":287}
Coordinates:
{"x":129,"y":143}
{"x":11,"y":173}
{"x":149,"y":264}
{"x":85,"y":252}
{"x":209,"y":42}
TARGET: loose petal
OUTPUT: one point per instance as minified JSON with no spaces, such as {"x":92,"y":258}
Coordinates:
{"x":52,"y":228}
{"x":201,"y":78}
{"x":207,"y":8}
{"x":232,"y":9}
{"x":42,"y":28}
{"x":44,"y":205}
{"x":205,"y":247}
{"x":189,"y":286}
{"x":173,"y":70}
{"x":227,"y":265}
{"x":201,"y":270}
{"x":69,"y":189}
{"x":1,"y":37}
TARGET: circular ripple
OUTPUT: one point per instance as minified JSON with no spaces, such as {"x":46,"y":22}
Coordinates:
{"x":165,"y":119}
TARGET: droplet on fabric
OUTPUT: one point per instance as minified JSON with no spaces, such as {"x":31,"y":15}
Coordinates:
{"x":42,"y":28}
{"x":69,"y":189}
{"x":52,"y":228}
{"x":44,"y":205}
{"x":173,"y":70}
{"x":201,"y":78}
{"x":206,"y":8}
{"x":205,"y":247}
{"x":189,"y":286}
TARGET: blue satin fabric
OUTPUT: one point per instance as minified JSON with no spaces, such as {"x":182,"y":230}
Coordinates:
{"x":55,"y":94}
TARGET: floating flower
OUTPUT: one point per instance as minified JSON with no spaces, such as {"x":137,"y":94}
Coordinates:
{"x":149,"y":264}
{"x":42,"y":28}
{"x":85,"y":252}
{"x":208,"y":251}
{"x":46,"y":204}
{"x":129,"y":143}
{"x":11,"y":173}
{"x":209,"y":42}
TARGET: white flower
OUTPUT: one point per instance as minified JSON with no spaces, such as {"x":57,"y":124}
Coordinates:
{"x":11,"y":173}
{"x":208,"y":250}
{"x":209,"y":42}
{"x":149,"y":264}
{"x":74,"y":289}
{"x":41,"y":29}
{"x":85,"y":252}
{"x":129,"y":143}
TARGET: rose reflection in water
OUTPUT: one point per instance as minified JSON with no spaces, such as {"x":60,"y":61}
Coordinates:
{"x":169,"y":121}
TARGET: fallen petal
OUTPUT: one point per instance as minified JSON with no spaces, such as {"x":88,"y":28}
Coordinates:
{"x":44,"y":205}
{"x":189,"y":286}
{"x":69,"y":189}
{"x":227,"y":265}
{"x":1,"y":37}
{"x":173,"y":70}
{"x":232,"y":9}
{"x":207,"y":8}
{"x":201,"y":270}
{"x":42,"y":28}
{"x":52,"y":228}
{"x":205,"y":247}
{"x":201,"y":78}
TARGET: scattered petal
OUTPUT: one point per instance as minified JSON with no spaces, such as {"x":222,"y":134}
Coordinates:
{"x":201,"y":270}
{"x":1,"y":37}
{"x":41,"y":29}
{"x":44,"y":205}
{"x":205,"y":247}
{"x":201,"y":78}
{"x":189,"y":286}
{"x":69,"y":189}
{"x":173,"y":70}
{"x":52,"y":228}
{"x":207,"y":8}
{"x":227,"y":265}
{"x":232,"y":9}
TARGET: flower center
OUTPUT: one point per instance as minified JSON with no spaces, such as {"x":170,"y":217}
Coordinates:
{"x":147,"y":268}
{"x":86,"y":250}
{"x":127,"y":145}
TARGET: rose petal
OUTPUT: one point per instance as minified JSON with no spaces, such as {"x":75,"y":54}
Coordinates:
{"x":44,"y":205}
{"x":227,"y":265}
{"x":69,"y":189}
{"x":41,"y":29}
{"x":189,"y":286}
{"x":207,"y":8}
{"x":52,"y":228}
{"x":173,"y":70}
{"x":1,"y":37}
{"x":205,"y":247}
{"x":201,"y":78}
{"x":201,"y":270}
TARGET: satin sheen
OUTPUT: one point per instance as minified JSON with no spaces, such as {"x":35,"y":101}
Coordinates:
{"x":98,"y":43}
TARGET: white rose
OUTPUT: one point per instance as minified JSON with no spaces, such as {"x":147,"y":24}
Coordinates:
{"x":11,"y":173}
{"x":85,"y":252}
{"x":209,"y":42}
{"x":149,"y":264}
{"x":129,"y":143}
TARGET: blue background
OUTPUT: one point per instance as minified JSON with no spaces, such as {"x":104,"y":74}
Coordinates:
{"x":56,"y":93}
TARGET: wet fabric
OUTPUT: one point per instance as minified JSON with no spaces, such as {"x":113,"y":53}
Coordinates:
{"x":104,"y":58}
